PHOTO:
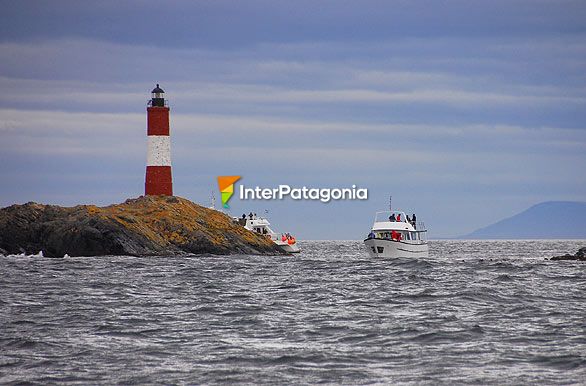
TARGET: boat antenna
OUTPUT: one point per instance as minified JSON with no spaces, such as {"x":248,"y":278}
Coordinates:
{"x":391,"y":203}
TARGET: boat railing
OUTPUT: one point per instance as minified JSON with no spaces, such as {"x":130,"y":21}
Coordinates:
{"x":383,"y":216}
{"x":257,"y":218}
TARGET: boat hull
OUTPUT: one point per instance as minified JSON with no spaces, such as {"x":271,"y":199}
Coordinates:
{"x":289,"y":248}
{"x":391,"y":248}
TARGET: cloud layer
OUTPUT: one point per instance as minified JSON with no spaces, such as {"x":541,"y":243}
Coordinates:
{"x":463,"y":122}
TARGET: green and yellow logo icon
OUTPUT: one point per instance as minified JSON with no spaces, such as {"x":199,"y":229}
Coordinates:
{"x":226,"y":184}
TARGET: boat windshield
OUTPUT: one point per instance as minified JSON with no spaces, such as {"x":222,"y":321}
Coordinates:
{"x":393,"y":216}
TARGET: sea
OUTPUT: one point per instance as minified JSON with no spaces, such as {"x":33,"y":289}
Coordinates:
{"x":474,"y":312}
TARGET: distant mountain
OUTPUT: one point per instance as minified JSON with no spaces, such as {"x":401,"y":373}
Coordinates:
{"x":548,"y":220}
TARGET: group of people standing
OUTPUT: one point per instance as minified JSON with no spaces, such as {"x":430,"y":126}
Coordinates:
{"x":397,"y":218}
{"x":250,"y":216}
{"x":288,"y":238}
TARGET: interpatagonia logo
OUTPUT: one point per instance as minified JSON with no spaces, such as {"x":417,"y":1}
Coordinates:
{"x":226,"y":185}
{"x":324,"y":195}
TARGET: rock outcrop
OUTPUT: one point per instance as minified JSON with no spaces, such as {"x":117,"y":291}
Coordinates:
{"x":580,"y":255}
{"x":145,"y":226}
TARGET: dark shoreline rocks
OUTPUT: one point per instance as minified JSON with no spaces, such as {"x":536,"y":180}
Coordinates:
{"x":144,"y":226}
{"x":580,"y":255}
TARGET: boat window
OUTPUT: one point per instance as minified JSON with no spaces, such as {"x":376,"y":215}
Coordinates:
{"x":380,"y":249}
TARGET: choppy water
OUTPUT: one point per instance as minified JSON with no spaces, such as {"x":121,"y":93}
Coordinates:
{"x":474,"y":312}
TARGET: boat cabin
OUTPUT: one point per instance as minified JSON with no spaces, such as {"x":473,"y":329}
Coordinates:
{"x":395,"y":225}
{"x":259,"y":225}
{"x":256,"y":224}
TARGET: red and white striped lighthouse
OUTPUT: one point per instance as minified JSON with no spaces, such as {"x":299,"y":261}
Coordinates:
{"x":158,"y":179}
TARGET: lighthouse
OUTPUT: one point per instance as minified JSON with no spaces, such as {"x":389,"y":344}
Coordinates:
{"x":158,"y":179}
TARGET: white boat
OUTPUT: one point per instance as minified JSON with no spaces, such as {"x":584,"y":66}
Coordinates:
{"x":394,"y":235}
{"x":261,"y":225}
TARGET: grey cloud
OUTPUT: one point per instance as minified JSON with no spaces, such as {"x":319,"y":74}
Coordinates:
{"x":448,"y":107}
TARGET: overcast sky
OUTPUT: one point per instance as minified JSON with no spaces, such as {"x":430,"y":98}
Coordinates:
{"x":465,"y":111}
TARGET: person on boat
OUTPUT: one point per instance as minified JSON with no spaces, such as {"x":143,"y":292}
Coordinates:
{"x":399,"y":217}
{"x":414,"y":218}
{"x":371,"y":235}
{"x":250,"y":215}
{"x":394,"y":235}
{"x":392,"y":218}
{"x":283,"y":238}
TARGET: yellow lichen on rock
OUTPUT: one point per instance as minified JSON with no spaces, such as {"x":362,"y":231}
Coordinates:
{"x":148,"y":225}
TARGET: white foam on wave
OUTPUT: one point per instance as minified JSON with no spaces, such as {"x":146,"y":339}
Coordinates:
{"x":23,"y":255}
{"x":40,"y":254}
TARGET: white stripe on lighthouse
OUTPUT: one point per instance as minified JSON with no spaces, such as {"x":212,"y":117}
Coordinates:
{"x":159,"y":150}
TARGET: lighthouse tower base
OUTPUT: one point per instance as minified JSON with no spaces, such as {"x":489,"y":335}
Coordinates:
{"x":158,"y":181}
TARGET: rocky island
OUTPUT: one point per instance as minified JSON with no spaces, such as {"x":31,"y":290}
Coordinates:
{"x":144,"y":226}
{"x":580,"y":255}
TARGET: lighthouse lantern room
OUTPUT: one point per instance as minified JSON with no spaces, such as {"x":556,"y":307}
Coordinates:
{"x":158,"y":179}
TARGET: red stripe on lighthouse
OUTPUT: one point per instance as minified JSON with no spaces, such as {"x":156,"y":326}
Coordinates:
{"x":157,"y":121}
{"x":158,"y":181}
